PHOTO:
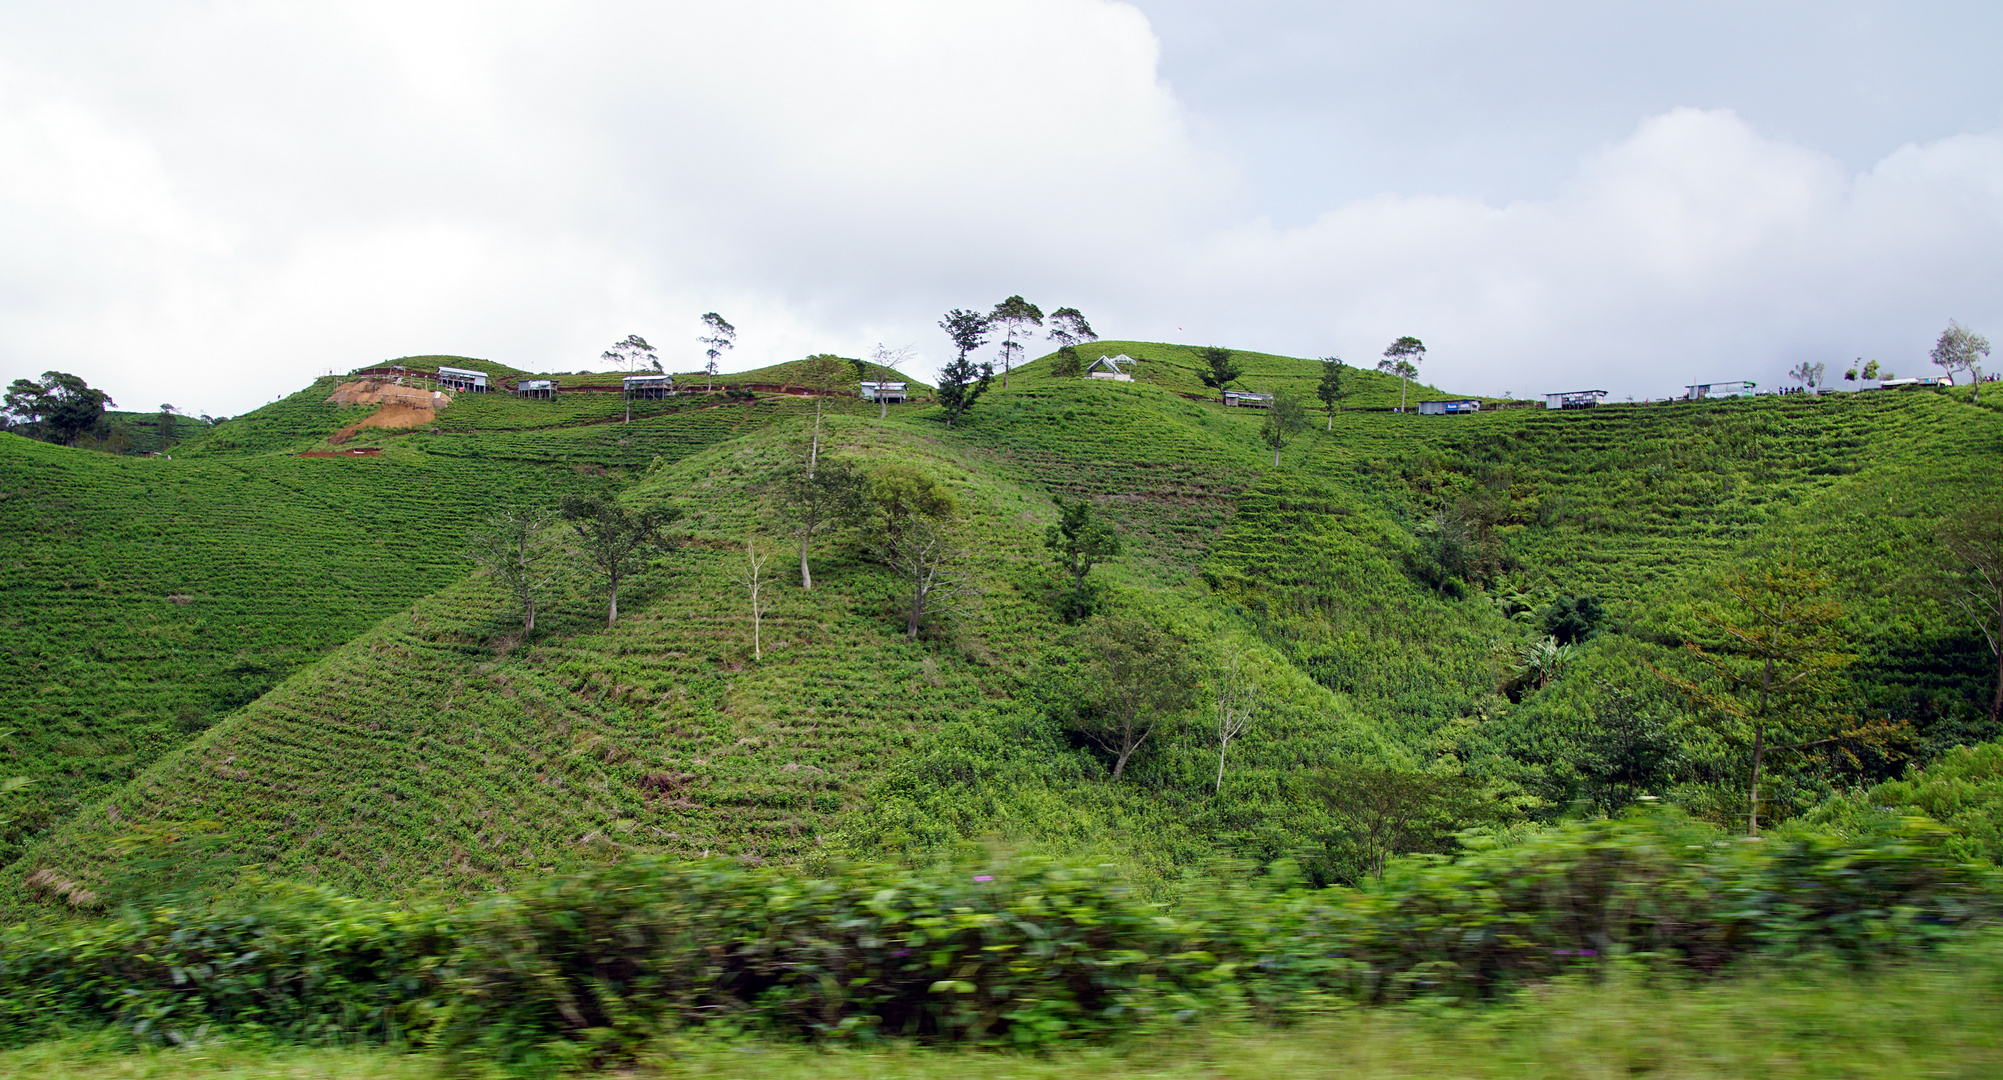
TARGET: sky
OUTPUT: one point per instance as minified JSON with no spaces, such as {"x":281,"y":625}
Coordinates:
{"x":207,"y":204}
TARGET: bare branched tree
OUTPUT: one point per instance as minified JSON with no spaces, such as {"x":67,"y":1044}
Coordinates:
{"x":751,"y":574}
{"x":1237,"y":703}
{"x":1973,"y":542}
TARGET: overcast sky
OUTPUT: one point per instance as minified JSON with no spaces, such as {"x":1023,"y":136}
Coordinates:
{"x":209,"y":203}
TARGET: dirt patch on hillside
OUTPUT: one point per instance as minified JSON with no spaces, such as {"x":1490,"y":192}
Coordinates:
{"x":400,"y":406}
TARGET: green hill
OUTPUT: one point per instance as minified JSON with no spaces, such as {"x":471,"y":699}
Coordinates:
{"x":248,"y":660}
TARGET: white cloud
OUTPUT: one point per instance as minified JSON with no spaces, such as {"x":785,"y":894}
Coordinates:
{"x":207,"y":204}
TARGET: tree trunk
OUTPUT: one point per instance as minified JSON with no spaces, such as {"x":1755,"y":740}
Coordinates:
{"x":528,"y":616}
{"x":806,"y":576}
{"x":814,"y":449}
{"x":612,"y":614}
{"x":1120,"y":765}
{"x":1331,"y":421}
{"x":1276,"y":457}
{"x":1996,"y":703}
{"x":1753,"y":803}
{"x":1222,"y":745}
{"x":882,"y":405}
{"x":757,"y":628}
{"x":629,"y":410}
{"x":917,"y":612}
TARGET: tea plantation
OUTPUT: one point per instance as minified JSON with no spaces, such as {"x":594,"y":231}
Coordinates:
{"x":242,"y":666}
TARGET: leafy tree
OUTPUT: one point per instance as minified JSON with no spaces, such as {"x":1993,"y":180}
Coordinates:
{"x":1331,"y":390}
{"x":1773,"y":672}
{"x":1402,"y":358}
{"x":614,"y":539}
{"x":1219,"y":371}
{"x":719,"y":338}
{"x":1014,"y":316}
{"x":1384,"y":810}
{"x":165,"y":438}
{"x":1068,"y":365}
{"x":1572,"y":619}
{"x":1961,"y":349}
{"x":515,"y":549}
{"x":632,"y":354}
{"x":1237,"y":703}
{"x":751,"y":575}
{"x":1627,"y":750}
{"x":909,"y":529}
{"x":1287,"y":418}
{"x":1080,"y":541}
{"x":824,"y":373}
{"x":1973,"y":544}
{"x":1068,"y":327}
{"x":1142,"y":676}
{"x":62,"y":404}
{"x":960,"y":382}
{"x":819,"y":497}
{"x":1871,"y":370}
{"x":1807,"y":374}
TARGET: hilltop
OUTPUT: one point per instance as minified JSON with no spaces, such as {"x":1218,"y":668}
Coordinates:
{"x":245,"y":659}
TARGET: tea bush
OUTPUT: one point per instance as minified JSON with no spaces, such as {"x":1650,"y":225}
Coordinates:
{"x":1026,"y":952}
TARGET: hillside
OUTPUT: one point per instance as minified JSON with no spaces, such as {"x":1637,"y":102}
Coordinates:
{"x":335,"y":699}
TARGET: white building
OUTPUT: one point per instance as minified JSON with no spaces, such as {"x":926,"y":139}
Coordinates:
{"x":886,"y":392}
{"x":1448,"y":408}
{"x":1112,"y":367}
{"x":463,"y":380}
{"x":1734,"y":389}
{"x":1574,"y":399}
{"x":1248,"y":399}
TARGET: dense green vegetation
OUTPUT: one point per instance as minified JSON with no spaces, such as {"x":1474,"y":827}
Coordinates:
{"x":242,"y":666}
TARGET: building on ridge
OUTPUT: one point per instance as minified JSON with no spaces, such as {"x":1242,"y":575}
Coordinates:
{"x":536,"y":388}
{"x":1248,"y":399}
{"x":1449,"y":408}
{"x":462,"y":380}
{"x":647,"y":387}
{"x":1112,"y":367}
{"x":1574,"y":399}
{"x":887,"y":392}
{"x":1734,"y":389}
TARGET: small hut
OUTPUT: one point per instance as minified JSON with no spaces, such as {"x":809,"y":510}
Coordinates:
{"x":886,"y":392}
{"x":1248,"y":399}
{"x":536,"y":388}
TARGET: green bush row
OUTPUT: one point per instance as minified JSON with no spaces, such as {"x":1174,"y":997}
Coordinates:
{"x":587,"y":967}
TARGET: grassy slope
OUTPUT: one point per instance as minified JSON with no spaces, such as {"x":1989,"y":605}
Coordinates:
{"x":417,"y":751}
{"x":1175,"y":368}
{"x":269,"y":560}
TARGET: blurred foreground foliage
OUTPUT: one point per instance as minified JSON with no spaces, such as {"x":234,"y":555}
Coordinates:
{"x":588,"y":969}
